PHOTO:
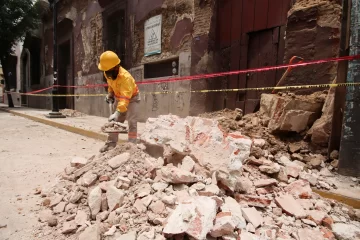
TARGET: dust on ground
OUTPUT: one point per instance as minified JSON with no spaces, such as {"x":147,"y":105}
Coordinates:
{"x":72,"y":113}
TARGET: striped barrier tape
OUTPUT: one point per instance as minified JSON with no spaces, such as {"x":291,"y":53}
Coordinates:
{"x":208,"y":91}
{"x":213,"y":75}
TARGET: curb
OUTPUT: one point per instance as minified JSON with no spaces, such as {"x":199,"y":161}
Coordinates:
{"x":82,"y":132}
{"x":353,"y":202}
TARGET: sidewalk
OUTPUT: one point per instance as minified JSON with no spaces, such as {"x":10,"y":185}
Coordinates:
{"x":88,"y":126}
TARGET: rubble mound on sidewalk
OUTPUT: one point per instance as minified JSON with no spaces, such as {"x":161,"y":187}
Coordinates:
{"x":72,"y":113}
{"x":171,"y":186}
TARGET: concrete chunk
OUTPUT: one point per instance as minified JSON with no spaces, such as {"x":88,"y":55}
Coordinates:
{"x":187,"y":164}
{"x":94,"y":201}
{"x":265,"y":182}
{"x":290,"y":206}
{"x":119,"y":160}
{"x":224,"y":225}
{"x":60,"y":207}
{"x":81,"y":218}
{"x":270,"y":169}
{"x":253,"y":201}
{"x":75,"y":197}
{"x":252,"y":216}
{"x":55,"y":200}
{"x":115,"y":198}
{"x":69,"y":227}
{"x":316,"y":216}
{"x":91,"y":233}
{"x":176,"y":175}
{"x":195,"y":218}
{"x":345,"y":231}
{"x":88,"y":179}
{"x":231,"y":205}
{"x":78,"y":162}
{"x":300,"y":189}
{"x":310,"y":234}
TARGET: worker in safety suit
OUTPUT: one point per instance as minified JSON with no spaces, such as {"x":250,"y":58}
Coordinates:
{"x":122,"y":87}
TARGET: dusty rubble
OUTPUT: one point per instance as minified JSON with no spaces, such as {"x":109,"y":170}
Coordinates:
{"x":114,"y":127}
{"x":72,"y":113}
{"x":191,"y":179}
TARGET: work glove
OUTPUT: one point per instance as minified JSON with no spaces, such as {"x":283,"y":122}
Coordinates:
{"x":109,"y":98}
{"x":117,"y":116}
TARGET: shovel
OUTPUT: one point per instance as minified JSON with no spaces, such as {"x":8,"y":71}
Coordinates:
{"x":122,"y":126}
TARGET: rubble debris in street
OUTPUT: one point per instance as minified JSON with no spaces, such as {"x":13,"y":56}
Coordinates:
{"x":204,"y":183}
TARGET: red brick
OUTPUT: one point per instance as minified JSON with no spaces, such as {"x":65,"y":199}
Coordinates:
{"x":254,"y":201}
{"x":328,"y":222}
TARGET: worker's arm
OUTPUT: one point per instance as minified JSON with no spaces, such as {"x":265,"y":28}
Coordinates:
{"x":110,"y":90}
{"x":126,"y":92}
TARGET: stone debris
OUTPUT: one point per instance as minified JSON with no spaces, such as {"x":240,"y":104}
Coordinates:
{"x":306,"y":234}
{"x":252,"y":216}
{"x":69,"y":227}
{"x":115,"y":198}
{"x":345,"y":231}
{"x":194,"y":218}
{"x":94,"y":201}
{"x":176,"y":175}
{"x":265,"y":182}
{"x":224,"y":225}
{"x":206,"y":184}
{"x":91,"y":233}
{"x":290,"y":206}
{"x":118,"y":160}
{"x":78,"y":162}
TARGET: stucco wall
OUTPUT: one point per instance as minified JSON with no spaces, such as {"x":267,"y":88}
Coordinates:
{"x":185,"y":35}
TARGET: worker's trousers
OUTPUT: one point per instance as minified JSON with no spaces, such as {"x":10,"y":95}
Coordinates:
{"x":132,"y":117}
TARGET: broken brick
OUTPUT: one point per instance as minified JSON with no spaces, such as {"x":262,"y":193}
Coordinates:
{"x":252,"y":216}
{"x":299,"y":188}
{"x":254,"y":201}
{"x":290,"y":206}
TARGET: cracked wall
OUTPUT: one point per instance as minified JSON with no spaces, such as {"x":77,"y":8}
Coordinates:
{"x":185,"y":22}
{"x":313,"y":33}
{"x":186,"y":32}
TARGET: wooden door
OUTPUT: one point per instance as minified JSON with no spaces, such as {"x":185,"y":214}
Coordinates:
{"x":250,"y":33}
{"x":263,"y":52}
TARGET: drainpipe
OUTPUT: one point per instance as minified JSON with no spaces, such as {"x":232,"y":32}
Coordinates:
{"x":349,"y":162}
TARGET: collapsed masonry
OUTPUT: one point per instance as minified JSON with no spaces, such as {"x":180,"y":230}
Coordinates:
{"x":191,"y":179}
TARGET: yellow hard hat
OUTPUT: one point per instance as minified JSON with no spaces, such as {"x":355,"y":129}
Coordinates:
{"x":108,"y":60}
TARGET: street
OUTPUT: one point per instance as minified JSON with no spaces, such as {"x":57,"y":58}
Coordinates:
{"x":31,"y":155}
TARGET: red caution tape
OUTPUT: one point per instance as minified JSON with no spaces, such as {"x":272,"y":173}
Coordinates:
{"x":214,"y":75}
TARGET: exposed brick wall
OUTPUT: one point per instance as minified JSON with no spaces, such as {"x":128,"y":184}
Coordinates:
{"x":172,"y":12}
{"x":313,"y":32}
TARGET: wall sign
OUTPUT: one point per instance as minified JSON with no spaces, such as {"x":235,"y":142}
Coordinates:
{"x":153,"y":35}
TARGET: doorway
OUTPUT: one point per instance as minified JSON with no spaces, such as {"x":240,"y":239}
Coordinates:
{"x":25,"y":78}
{"x":263,"y":48}
{"x":116,"y":34}
{"x":65,"y":75}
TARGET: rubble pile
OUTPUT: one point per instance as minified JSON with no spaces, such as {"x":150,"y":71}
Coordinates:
{"x":191,"y":179}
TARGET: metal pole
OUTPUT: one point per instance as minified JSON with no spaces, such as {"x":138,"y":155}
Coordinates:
{"x":340,"y":92}
{"x":349,"y":162}
{"x":55,"y":100}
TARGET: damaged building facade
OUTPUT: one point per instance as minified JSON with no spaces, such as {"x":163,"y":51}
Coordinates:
{"x":196,"y":36}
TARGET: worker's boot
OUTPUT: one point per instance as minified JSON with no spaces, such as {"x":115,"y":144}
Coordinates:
{"x":107,"y":147}
{"x":110,"y":142}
